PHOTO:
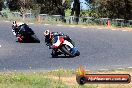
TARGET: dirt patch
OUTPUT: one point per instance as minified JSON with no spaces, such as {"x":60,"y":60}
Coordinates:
{"x":68,"y":80}
{"x":71,"y":80}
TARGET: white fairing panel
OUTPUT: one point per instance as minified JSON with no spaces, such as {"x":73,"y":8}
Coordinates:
{"x":68,"y":43}
{"x":57,"y":43}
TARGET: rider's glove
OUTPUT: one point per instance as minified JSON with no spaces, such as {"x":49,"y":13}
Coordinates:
{"x":51,"y":47}
{"x":47,"y":44}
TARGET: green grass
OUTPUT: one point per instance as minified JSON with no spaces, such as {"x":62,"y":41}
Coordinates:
{"x":28,"y":80}
{"x":36,"y":80}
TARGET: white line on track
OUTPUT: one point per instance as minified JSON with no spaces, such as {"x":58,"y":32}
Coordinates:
{"x":125,"y":30}
{"x":113,"y":29}
{"x":72,"y":26}
{"x":7,"y":21}
{"x":84,"y":27}
{"x":100,"y":28}
{"x":59,"y":25}
{"x":46,"y":24}
{"x":129,"y":67}
{"x":31,"y":23}
{"x":119,"y":68}
{"x":0,"y":45}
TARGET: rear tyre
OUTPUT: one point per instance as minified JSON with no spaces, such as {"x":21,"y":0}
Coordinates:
{"x":35,"y":39}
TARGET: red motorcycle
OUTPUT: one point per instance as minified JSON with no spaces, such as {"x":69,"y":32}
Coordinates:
{"x":63,"y":46}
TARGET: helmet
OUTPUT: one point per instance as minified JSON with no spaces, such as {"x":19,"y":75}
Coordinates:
{"x":14,"y":23}
{"x":47,"y":34}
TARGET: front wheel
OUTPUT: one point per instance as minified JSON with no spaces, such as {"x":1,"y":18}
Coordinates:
{"x":66,"y":50}
{"x":77,"y":53}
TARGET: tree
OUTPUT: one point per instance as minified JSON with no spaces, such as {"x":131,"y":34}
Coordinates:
{"x":76,"y":10}
{"x":111,"y":8}
{"x":13,"y":5}
{"x":52,"y":7}
{"x":1,"y":2}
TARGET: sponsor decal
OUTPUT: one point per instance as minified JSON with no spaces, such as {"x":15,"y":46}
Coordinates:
{"x":82,"y":77}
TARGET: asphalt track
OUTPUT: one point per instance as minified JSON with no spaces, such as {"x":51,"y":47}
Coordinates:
{"x":100,"y":49}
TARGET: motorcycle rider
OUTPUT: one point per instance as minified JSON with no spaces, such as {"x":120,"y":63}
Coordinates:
{"x":15,"y":27}
{"x":19,"y":28}
{"x":49,"y":39}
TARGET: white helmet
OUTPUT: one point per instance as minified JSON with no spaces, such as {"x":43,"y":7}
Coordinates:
{"x":14,"y":23}
{"x":46,"y":32}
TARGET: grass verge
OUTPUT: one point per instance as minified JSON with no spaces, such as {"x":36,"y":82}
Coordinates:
{"x":28,"y":80}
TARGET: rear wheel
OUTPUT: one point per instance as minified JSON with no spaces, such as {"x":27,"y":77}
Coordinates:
{"x":35,"y":39}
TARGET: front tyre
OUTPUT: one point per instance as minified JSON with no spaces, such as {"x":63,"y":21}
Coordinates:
{"x":65,"y":50}
{"x":77,"y":53}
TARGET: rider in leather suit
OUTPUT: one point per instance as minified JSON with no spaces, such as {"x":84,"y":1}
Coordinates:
{"x":21,"y":28}
{"x":50,"y":35}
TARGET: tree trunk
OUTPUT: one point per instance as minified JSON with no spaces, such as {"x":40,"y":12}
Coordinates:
{"x":1,"y":5}
{"x":76,"y":10}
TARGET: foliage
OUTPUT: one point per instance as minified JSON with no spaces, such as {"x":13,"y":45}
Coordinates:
{"x":111,"y":8}
{"x":22,"y":80}
{"x":67,"y":12}
{"x":1,"y":5}
{"x":52,"y":7}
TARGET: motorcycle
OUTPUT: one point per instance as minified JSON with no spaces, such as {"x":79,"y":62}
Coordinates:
{"x":28,"y":39}
{"x":63,"y":46}
{"x":26,"y":36}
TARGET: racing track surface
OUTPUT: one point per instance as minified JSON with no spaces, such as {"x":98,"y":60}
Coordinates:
{"x":100,"y":49}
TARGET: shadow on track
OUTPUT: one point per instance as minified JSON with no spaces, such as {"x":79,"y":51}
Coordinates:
{"x":28,"y":42}
{"x":62,"y":57}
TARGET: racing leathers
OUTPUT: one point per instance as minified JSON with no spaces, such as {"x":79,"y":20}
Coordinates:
{"x":49,"y":38}
{"x":50,"y":41}
{"x":22,"y":29}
